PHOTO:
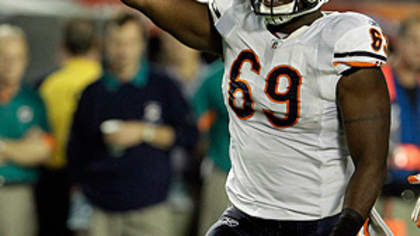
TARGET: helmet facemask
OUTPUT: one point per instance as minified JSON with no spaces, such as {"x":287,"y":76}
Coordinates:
{"x":278,"y":12}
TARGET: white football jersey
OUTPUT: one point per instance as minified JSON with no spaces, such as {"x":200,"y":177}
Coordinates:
{"x":289,"y":157}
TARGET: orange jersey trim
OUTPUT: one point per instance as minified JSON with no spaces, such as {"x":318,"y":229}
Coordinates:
{"x":355,"y":64}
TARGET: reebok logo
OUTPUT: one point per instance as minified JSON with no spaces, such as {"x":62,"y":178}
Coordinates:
{"x":226,"y":220}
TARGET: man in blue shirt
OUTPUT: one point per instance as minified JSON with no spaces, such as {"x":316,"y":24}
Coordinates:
{"x":403,"y":79}
{"x":123,"y":130}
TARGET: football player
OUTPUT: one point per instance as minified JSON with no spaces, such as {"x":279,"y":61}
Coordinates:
{"x":308,"y":109}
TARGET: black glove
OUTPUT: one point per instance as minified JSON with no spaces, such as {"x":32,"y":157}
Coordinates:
{"x":349,"y":223}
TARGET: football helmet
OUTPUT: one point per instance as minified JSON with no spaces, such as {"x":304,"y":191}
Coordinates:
{"x":277,"y":12}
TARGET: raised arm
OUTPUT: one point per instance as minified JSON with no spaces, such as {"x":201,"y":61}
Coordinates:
{"x":365,"y":112}
{"x":186,"y":20}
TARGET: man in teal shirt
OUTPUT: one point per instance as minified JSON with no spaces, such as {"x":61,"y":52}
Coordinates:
{"x":212,"y":119}
{"x":24,"y":142}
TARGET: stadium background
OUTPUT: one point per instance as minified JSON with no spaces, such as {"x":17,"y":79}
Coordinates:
{"x":42,"y":20}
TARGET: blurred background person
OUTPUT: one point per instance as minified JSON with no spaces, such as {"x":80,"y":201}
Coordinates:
{"x":123,"y":131}
{"x":403,"y":80}
{"x":212,"y":121}
{"x":183,"y":64}
{"x":180,"y":61}
{"x":24,"y":139}
{"x":61,"y":90}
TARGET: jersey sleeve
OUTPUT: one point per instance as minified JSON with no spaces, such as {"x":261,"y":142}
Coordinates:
{"x":363,"y":45}
{"x":221,"y":14}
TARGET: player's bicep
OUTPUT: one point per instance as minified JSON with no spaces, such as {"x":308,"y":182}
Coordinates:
{"x":187,"y":20}
{"x":364,"y":104}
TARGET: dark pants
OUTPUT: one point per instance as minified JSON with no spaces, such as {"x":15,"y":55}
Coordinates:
{"x":234,"y":222}
{"x":53,"y":199}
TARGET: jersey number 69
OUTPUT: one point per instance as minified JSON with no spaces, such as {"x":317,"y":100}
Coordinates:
{"x":290,"y":97}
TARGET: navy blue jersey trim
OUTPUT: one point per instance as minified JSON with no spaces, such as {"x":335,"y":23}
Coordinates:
{"x":359,"y":54}
{"x":216,"y":11}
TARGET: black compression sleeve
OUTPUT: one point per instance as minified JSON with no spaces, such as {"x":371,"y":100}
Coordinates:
{"x":348,"y":224}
